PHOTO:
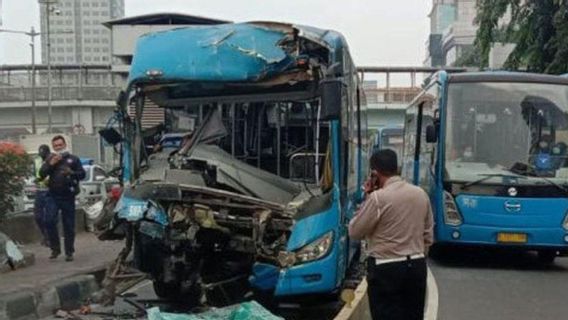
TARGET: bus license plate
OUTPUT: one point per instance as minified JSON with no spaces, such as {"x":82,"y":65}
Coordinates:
{"x":512,"y":237}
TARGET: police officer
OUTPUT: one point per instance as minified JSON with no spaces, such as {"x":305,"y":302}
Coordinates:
{"x":64,"y":171}
{"x":41,"y":197}
{"x":396,"y":220}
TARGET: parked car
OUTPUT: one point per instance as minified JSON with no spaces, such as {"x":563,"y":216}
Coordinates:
{"x":95,"y":184}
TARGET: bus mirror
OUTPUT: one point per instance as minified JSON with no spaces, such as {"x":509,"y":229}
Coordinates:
{"x":110,"y":136}
{"x":121,"y":99}
{"x":331,"y":92}
{"x":431,"y":134}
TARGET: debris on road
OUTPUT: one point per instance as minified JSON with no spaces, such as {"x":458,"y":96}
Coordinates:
{"x":244,"y":311}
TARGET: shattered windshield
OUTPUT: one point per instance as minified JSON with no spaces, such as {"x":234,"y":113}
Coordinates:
{"x":240,"y":146}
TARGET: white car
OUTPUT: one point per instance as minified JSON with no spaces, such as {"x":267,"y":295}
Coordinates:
{"x":95,"y":185}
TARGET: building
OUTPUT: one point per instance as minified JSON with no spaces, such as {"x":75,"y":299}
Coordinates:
{"x":452,"y":31}
{"x":82,"y":106}
{"x":77,"y":35}
{"x":386,"y":106}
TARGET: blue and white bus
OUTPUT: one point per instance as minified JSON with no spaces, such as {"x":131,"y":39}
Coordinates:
{"x":264,"y":184}
{"x":491,"y":150}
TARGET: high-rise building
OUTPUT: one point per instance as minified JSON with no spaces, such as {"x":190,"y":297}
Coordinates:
{"x":452,"y":31}
{"x":77,"y":35}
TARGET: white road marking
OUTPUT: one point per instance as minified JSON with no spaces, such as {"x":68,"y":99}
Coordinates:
{"x":431,"y":308}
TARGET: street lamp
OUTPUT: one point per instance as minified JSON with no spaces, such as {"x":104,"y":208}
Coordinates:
{"x":48,"y":10}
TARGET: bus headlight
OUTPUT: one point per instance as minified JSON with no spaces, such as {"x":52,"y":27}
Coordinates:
{"x":565,"y":223}
{"x":452,"y":215}
{"x":315,"y":250}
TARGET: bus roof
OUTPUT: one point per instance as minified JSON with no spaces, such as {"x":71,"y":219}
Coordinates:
{"x":504,"y":76}
{"x":240,"y":52}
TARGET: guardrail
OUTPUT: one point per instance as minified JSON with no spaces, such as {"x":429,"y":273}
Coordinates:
{"x":24,"y":94}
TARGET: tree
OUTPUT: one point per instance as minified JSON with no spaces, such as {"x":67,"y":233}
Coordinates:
{"x":14,"y":168}
{"x":539,"y":28}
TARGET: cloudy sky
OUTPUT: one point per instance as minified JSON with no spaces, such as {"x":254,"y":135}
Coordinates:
{"x":379,"y":32}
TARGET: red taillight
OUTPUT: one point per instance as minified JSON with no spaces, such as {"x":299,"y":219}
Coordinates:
{"x":115,"y":192}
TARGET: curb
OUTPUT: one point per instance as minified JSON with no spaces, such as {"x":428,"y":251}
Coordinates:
{"x":359,"y":307}
{"x":67,"y":294}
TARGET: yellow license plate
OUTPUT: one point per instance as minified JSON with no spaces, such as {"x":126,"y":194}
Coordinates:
{"x":512,"y":237}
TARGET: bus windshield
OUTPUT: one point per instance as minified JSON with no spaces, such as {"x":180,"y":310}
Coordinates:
{"x":495,"y":127}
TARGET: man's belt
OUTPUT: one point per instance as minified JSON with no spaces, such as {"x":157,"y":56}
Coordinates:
{"x":379,"y":261}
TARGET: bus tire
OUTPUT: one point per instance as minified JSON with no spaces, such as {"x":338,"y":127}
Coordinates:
{"x":547,"y":256}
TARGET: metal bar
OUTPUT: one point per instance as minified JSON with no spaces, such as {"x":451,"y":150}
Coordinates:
{"x":49,"y":119}
{"x":245,"y":138}
{"x":34,"y":127}
{"x":278,"y":142}
{"x":388,"y":98}
{"x":74,"y":66}
{"x":80,"y":84}
{"x":379,"y":69}
{"x":258,"y":140}
{"x":233,"y":128}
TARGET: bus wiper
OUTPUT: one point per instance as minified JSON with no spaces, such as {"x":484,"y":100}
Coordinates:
{"x":487,"y":176}
{"x":529,"y":170}
{"x":552,"y":183}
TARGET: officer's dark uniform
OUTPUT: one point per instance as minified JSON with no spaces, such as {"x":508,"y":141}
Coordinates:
{"x":63,"y":187}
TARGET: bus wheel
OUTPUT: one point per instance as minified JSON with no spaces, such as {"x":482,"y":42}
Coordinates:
{"x":547,"y":256}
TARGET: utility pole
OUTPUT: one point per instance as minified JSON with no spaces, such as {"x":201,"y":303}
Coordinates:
{"x":32,"y":34}
{"x":48,"y":10}
{"x":32,"y":44}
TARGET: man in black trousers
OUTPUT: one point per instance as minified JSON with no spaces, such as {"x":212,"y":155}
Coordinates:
{"x":64,"y":171}
{"x":396,"y":221}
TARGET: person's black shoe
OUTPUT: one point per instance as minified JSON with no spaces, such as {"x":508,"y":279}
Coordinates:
{"x":69,"y":258}
{"x":54,"y":255}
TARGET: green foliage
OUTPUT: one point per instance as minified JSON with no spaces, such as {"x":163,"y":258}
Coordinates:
{"x":539,"y":28}
{"x":14,"y":167}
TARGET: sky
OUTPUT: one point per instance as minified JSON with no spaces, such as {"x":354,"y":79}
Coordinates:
{"x":379,"y":32}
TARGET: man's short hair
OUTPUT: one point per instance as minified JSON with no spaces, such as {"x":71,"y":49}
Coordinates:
{"x":43,"y":150}
{"x":385,"y":162}
{"x":58,"y":137}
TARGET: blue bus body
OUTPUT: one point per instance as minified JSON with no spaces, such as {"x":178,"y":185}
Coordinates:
{"x":285,"y":96}
{"x":490,"y":149}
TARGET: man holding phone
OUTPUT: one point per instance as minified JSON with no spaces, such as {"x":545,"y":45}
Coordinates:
{"x":64,"y":171}
{"x":396,"y":221}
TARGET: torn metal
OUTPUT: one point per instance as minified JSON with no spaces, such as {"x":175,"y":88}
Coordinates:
{"x":223,"y":206}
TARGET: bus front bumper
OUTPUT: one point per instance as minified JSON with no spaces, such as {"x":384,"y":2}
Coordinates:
{"x":528,"y":238}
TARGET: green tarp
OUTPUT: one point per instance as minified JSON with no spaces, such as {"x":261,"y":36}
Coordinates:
{"x":244,"y":311}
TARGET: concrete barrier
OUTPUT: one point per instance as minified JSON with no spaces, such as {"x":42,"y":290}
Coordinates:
{"x":21,"y":227}
{"x":358,"y":309}
{"x":68,"y":294}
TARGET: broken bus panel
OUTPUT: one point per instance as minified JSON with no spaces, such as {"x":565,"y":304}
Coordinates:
{"x":263,"y":184}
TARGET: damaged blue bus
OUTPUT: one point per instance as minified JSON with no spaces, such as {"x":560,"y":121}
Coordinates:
{"x":491,"y":149}
{"x":259,"y":192}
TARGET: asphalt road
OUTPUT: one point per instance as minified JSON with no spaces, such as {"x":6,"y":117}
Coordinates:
{"x":476,"y":283}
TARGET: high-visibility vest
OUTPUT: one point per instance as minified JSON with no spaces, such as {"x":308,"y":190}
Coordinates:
{"x":41,"y":184}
